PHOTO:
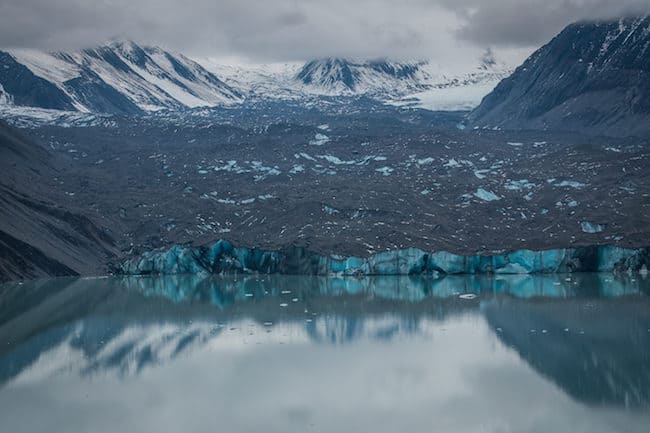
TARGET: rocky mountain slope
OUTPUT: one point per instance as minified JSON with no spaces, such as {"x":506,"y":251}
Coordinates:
{"x":42,"y":231}
{"x":336,"y":76}
{"x":119,"y":77}
{"x":593,"y":77}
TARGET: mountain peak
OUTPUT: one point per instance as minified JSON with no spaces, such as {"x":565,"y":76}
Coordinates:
{"x":335,"y":74}
{"x":119,"y":76}
{"x":593,"y":76}
{"x":123,"y":44}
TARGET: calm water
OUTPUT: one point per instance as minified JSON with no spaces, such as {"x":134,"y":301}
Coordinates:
{"x":290,"y":354}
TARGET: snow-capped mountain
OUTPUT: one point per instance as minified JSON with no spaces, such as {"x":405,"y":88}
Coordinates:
{"x":123,"y":77}
{"x":341,"y":76}
{"x":119,"y":77}
{"x":593,"y":77}
{"x":415,"y":83}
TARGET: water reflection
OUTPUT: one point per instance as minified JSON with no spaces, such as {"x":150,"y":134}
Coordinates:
{"x":597,"y":351}
{"x":223,"y":292}
{"x":424,"y":346}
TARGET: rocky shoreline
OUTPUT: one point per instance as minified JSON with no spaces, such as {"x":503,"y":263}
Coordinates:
{"x":222,"y":257}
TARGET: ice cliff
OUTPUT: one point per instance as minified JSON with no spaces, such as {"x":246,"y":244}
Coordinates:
{"x":223,"y":257}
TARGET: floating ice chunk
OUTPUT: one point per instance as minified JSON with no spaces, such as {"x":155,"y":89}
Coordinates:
{"x":613,"y":149}
{"x":338,"y":161}
{"x":468,"y":296}
{"x":297,"y":168}
{"x":515,"y":144}
{"x":304,"y":155}
{"x":320,"y":170}
{"x":324,"y":127}
{"x":330,"y":210}
{"x":571,"y":184}
{"x":425,"y":161}
{"x":452,"y":163}
{"x":319,"y":140}
{"x":386,"y":171}
{"x":335,"y":160}
{"x":572,"y":203}
{"x":266,"y":171}
{"x":486,"y":195}
{"x":589,"y":227}
{"x":228,"y":166}
{"x":481,"y":174}
{"x":518,"y":185}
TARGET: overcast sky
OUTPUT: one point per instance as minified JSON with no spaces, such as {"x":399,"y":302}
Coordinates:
{"x":279,"y":30}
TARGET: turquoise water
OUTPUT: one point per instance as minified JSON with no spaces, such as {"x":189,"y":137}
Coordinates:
{"x":564,"y":353}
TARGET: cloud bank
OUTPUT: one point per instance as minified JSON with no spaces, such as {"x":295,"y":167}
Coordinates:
{"x":279,"y":30}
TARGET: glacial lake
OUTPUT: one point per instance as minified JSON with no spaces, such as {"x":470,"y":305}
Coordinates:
{"x":560,"y":353}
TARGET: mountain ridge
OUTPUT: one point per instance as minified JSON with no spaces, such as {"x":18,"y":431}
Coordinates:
{"x":117,"y":77}
{"x":592,"y":77}
{"x":122,"y":77}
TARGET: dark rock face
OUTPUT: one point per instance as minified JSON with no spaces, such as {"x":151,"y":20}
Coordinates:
{"x":27,"y":89}
{"x":336,"y":74}
{"x":37,"y":237}
{"x":328,"y":72}
{"x":91,"y":91}
{"x":592,"y":78}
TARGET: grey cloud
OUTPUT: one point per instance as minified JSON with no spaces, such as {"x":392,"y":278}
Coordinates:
{"x":533,"y":22}
{"x":300,"y":29}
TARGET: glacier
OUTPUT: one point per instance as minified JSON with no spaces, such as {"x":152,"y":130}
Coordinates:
{"x":222,"y":257}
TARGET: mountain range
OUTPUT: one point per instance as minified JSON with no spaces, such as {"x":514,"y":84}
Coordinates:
{"x":594,"y":77}
{"x":122,"y":77}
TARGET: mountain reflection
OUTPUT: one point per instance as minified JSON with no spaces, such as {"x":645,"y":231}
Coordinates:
{"x":598,"y":351}
{"x":589,"y":334}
